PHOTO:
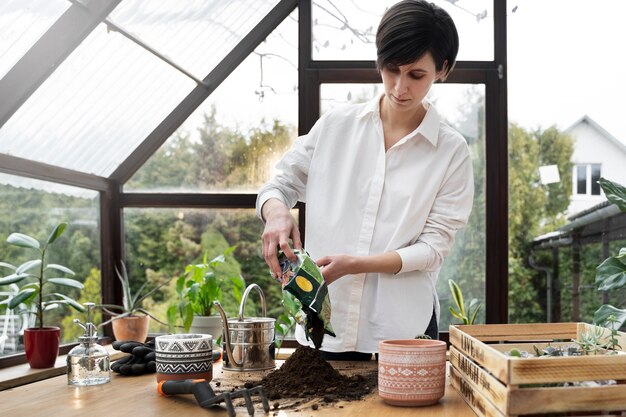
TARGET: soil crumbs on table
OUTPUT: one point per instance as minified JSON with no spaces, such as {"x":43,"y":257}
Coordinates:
{"x":305,"y":381}
{"x":308,"y":377}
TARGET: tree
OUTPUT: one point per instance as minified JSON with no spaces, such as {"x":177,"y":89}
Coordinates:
{"x":533,"y":210}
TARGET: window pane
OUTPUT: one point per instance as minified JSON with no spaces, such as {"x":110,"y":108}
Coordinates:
{"x":595,"y":176}
{"x":161,"y":242}
{"x":195,"y":34}
{"x":97,"y":107}
{"x":581,"y":179}
{"x":558,"y":47}
{"x":22,"y":22}
{"x":34,"y":208}
{"x":232,"y":142}
{"x":347,"y":30}
{"x":462,"y":106}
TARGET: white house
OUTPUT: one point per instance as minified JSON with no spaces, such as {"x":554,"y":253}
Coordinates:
{"x":596,"y":153}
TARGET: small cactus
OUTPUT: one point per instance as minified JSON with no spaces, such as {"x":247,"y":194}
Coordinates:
{"x":422,"y":336}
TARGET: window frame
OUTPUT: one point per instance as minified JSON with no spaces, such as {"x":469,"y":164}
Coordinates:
{"x":589,"y":186}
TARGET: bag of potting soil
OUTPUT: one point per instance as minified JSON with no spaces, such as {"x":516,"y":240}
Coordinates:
{"x":304,"y":280}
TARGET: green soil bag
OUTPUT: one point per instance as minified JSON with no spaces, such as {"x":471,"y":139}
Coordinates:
{"x":304,"y":280}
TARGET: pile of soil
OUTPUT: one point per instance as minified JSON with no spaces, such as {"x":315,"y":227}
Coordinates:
{"x":305,"y":375}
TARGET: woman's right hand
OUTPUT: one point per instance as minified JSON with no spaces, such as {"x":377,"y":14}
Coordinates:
{"x":279,"y":228}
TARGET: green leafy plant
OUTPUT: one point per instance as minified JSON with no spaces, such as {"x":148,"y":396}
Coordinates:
{"x":611,"y":274}
{"x":286,"y":322}
{"x":32,"y":296}
{"x":201,"y":285}
{"x":131,"y":303}
{"x":466,"y":314}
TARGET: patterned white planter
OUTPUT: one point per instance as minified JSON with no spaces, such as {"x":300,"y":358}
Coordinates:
{"x":184,"y":356}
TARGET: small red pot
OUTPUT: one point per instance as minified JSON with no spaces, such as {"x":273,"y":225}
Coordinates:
{"x":42,"y":346}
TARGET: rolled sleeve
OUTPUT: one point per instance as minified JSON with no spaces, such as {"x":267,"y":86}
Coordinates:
{"x":449,"y":213}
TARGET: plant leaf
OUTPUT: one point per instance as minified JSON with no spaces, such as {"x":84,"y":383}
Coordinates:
{"x":457,"y":315}
{"x":21,"y":297}
{"x":51,"y":305}
{"x":13,"y":278}
{"x":7,"y":265}
{"x":615,"y":192}
{"x":610,"y":274}
{"x":60,"y":268}
{"x":602,"y":314}
{"x":58,"y":231}
{"x":73,"y":303}
{"x":28,"y":265}
{"x":66,"y":282}
{"x":22,"y":240}
{"x":457,"y":295}
{"x":473,"y":318}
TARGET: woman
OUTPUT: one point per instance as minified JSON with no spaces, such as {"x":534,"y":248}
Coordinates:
{"x":387,"y":185}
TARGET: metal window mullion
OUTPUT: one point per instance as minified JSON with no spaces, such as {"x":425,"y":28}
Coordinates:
{"x":153,"y":51}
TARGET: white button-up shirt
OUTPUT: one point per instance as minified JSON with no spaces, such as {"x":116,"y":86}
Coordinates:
{"x":362,"y":200}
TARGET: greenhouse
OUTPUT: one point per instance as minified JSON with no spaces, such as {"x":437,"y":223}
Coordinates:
{"x":138,"y":140}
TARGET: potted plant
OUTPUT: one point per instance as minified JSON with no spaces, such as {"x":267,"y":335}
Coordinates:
{"x":41,"y":343}
{"x":611,"y":274}
{"x":197,"y":288}
{"x":467,"y":314}
{"x":126,"y":322}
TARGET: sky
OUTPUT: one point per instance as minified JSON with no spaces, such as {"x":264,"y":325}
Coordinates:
{"x":566,"y":59}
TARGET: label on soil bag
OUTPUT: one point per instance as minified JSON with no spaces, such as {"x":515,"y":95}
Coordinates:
{"x":304,"y":280}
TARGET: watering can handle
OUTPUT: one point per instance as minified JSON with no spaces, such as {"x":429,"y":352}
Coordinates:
{"x":245,"y":298}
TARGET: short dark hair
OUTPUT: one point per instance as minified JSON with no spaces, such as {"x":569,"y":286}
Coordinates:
{"x":411,"y":28}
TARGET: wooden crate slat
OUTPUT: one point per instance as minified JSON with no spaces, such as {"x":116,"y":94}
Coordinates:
{"x":481,"y":353}
{"x":567,"y":399}
{"x":472,"y":397}
{"x":492,"y":389}
{"x":566,"y":369}
{"x":528,"y":332}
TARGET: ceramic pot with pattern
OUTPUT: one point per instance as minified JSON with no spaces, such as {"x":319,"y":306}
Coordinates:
{"x":184,"y":356}
{"x":411,"y":372}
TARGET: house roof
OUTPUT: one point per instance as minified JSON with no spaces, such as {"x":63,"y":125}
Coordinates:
{"x":588,"y":120}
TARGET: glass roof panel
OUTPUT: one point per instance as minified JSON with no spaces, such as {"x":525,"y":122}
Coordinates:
{"x":97,"y":107}
{"x":233,"y":140}
{"x":195,"y":34}
{"x":346,"y":30}
{"x":22,"y":22}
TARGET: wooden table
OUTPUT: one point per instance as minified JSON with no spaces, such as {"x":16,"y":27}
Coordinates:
{"x":137,"y":396}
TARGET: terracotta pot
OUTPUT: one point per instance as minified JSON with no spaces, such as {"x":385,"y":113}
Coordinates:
{"x":42,"y":346}
{"x":131,"y":328}
{"x":184,"y":356}
{"x":411,"y":372}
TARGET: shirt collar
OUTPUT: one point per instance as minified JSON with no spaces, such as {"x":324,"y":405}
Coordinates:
{"x":429,"y":128}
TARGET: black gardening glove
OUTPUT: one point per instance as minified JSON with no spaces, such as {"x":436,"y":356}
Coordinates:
{"x":142,"y":358}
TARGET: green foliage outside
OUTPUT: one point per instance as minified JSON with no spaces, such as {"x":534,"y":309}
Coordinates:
{"x":70,"y":331}
{"x":534,"y":209}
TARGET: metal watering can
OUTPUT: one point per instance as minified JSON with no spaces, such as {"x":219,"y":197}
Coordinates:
{"x":248,"y":342}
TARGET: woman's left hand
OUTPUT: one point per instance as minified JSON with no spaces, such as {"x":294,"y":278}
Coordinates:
{"x":336,"y":266}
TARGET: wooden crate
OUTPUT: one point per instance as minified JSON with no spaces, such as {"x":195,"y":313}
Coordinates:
{"x":495,"y":382}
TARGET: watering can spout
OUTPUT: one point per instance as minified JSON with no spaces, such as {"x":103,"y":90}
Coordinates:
{"x":229,"y":350}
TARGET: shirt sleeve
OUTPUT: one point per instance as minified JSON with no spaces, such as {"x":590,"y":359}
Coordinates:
{"x":449,"y":213}
{"x":289,"y":185}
